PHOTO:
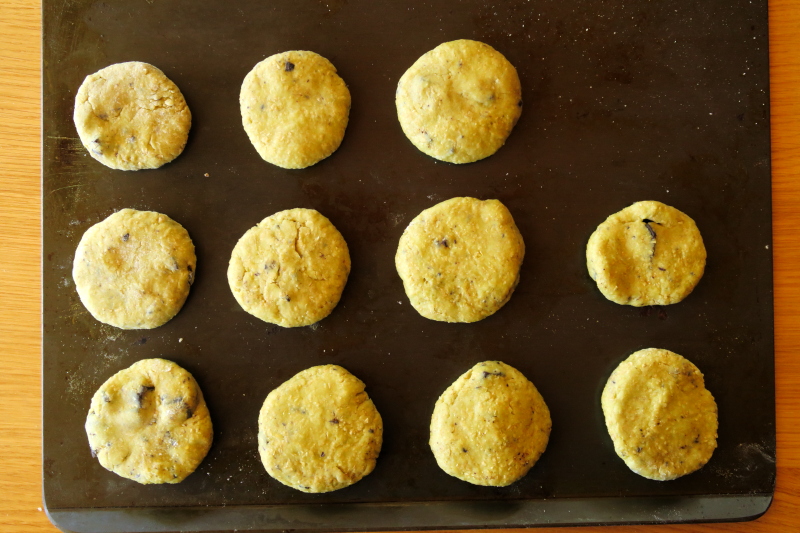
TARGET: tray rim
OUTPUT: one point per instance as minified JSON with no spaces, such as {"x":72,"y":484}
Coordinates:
{"x":419,"y":515}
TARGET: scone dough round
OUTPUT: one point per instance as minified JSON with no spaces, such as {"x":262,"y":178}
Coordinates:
{"x":459,"y":102}
{"x":134,"y":269}
{"x":294,"y":108}
{"x":319,"y":431}
{"x":659,"y":414}
{"x":150,"y":423}
{"x":290,"y":269}
{"x":460,"y":259}
{"x":647,"y":254}
{"x":490,"y":426}
{"x":130,"y":116}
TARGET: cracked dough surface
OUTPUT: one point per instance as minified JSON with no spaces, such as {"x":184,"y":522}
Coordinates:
{"x":294,"y":108}
{"x":290,"y":269}
{"x":319,"y":431}
{"x":490,"y":426}
{"x":150,"y":423}
{"x":130,"y":116}
{"x":459,"y":102}
{"x":659,"y":414}
{"x":460,"y":259}
{"x":647,"y":254}
{"x":134,"y":269}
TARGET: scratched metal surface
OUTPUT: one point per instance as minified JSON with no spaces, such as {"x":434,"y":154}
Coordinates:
{"x":622,"y":102}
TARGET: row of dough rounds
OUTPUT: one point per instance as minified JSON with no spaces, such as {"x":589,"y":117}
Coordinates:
{"x":457,"y":103}
{"x":459,"y":262}
{"x":320,"y":431}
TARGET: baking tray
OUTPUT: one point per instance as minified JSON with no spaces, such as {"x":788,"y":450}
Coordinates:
{"x":622,"y":102}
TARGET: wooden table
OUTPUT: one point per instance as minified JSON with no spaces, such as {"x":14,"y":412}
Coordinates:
{"x":20,"y":267}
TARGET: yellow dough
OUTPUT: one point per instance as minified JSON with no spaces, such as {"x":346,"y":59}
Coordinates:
{"x":490,"y":426}
{"x":134,"y":269}
{"x":150,"y":423}
{"x":290,"y":269}
{"x":294,"y":108}
{"x":459,"y":102}
{"x":319,"y":431}
{"x":130,"y":116}
{"x":459,"y":260}
{"x":661,"y":417}
{"x":647,"y":254}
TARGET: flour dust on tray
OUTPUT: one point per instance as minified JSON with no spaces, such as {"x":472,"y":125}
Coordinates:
{"x":130,"y":116}
{"x":150,"y":423}
{"x":134,"y":269}
{"x":319,"y":431}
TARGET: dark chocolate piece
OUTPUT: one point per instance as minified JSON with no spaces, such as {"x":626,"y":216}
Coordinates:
{"x":144,"y":389}
{"x":652,"y":232}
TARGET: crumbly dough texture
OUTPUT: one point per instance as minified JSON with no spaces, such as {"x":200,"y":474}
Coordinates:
{"x":294,"y":108}
{"x":290,"y":269}
{"x":647,"y":254}
{"x":460,"y":259}
{"x":130,"y":116}
{"x":134,"y":269}
{"x":459,"y":102}
{"x":659,"y":414}
{"x":150,"y":423}
{"x":319,"y":431}
{"x":490,"y":426}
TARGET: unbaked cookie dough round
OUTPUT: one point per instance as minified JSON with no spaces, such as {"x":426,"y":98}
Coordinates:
{"x":647,"y":254}
{"x":294,"y":108}
{"x":290,"y":269}
{"x":134,"y":269}
{"x":490,"y":426}
{"x":460,"y":259}
{"x":659,"y":414}
{"x":150,"y":423}
{"x":319,"y":431}
{"x":459,"y":102}
{"x":130,"y":116}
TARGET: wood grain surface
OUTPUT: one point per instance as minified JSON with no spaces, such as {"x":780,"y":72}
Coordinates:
{"x":20,"y":267}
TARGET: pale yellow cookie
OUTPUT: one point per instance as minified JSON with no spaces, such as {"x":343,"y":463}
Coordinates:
{"x":459,"y":260}
{"x":294,"y":108}
{"x":150,"y":423}
{"x":647,"y":254}
{"x":490,"y":426}
{"x":130,"y":116}
{"x":290,"y":269}
{"x":459,"y":102}
{"x":661,"y":418}
{"x":319,"y":431}
{"x":134,"y":269}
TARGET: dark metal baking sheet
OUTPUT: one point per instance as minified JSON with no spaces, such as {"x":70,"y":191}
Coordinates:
{"x":622,"y":102}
